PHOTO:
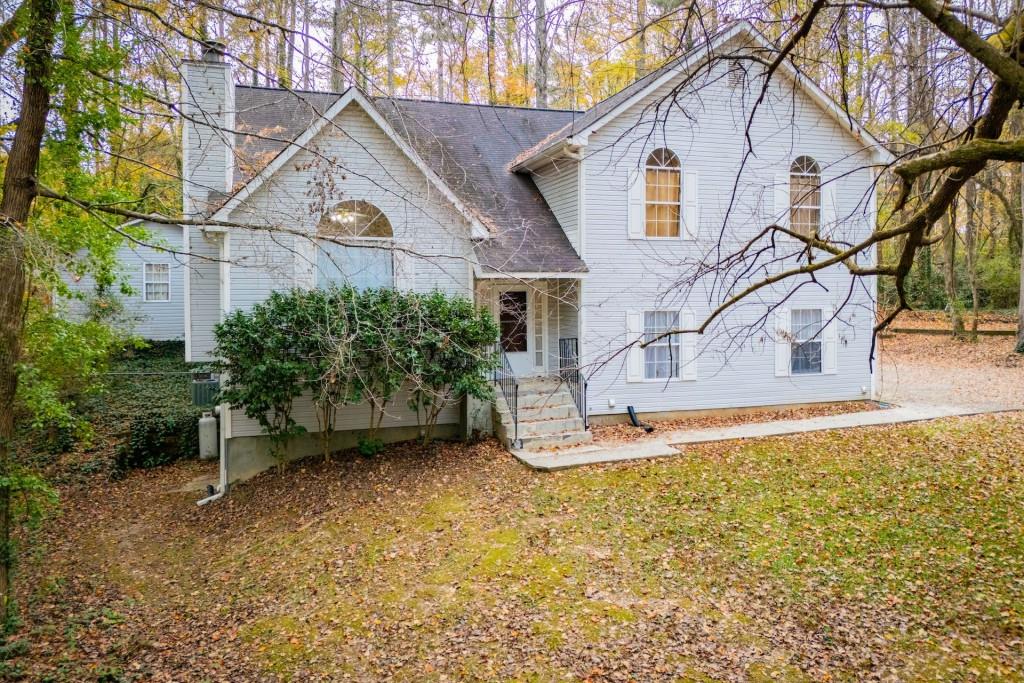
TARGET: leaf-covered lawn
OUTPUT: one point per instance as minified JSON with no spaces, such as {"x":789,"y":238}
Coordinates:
{"x":888,"y":553}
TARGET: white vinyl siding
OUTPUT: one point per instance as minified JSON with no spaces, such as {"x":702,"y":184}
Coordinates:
{"x":629,"y":274}
{"x":165,"y":319}
{"x":559,"y":185}
{"x":432,"y":245}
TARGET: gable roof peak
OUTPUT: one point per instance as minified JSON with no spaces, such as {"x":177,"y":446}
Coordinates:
{"x":700,"y":55}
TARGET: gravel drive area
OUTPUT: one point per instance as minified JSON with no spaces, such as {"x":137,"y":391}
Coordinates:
{"x":933,"y":369}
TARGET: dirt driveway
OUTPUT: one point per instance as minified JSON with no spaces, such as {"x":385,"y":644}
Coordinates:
{"x":934,"y":369}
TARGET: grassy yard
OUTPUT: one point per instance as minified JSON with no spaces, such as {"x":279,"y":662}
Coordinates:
{"x":892,"y":554}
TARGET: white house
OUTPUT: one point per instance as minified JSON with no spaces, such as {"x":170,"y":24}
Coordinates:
{"x":575,"y":228}
{"x":154,"y":271}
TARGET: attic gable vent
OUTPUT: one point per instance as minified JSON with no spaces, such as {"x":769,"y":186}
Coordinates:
{"x":737,"y":75}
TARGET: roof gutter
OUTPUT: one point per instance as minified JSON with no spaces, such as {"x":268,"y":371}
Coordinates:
{"x":570,"y":148}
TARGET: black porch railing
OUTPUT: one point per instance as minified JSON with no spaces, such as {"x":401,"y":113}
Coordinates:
{"x":569,"y":371}
{"x":509,"y":386}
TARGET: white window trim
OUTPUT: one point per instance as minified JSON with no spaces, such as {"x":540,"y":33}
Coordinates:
{"x":678,"y":170}
{"x":146,"y":282}
{"x":679,"y":343}
{"x":819,"y":336}
{"x":820,"y":185}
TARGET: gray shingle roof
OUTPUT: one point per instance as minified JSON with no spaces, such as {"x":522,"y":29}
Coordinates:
{"x":274,"y":117}
{"x":468,"y":146}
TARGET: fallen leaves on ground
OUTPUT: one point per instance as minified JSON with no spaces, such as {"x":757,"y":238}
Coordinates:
{"x":985,"y":374}
{"x":873,"y":554}
{"x":625,"y":431}
{"x":987,"y":320}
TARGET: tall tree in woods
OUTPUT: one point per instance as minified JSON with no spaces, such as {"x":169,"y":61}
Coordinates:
{"x":541,"y":49}
{"x":641,"y":38}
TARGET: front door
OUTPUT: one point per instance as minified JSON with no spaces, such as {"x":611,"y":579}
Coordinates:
{"x":516,"y":324}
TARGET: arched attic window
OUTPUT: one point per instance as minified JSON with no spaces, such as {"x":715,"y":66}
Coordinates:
{"x":361,"y":255}
{"x":662,"y":206}
{"x":805,"y":196}
{"x":355,"y":218}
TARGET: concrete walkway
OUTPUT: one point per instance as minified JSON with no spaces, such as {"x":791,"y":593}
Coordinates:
{"x":668,"y":443}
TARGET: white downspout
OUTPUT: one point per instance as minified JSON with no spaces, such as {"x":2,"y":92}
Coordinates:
{"x":223,"y":411}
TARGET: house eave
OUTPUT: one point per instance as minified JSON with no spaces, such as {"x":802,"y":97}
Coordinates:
{"x":523,"y":275}
{"x":570,"y":148}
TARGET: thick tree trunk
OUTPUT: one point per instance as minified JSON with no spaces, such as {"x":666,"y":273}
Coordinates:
{"x":492,"y":97}
{"x":337,"y":43}
{"x":541,"y":38}
{"x":15,"y":207}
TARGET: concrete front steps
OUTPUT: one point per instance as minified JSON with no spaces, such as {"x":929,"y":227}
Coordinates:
{"x":547,"y":416}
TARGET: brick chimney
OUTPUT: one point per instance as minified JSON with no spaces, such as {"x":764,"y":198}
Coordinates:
{"x":208,"y":139}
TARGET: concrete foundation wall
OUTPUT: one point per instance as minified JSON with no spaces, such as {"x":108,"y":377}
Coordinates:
{"x":247,"y":456}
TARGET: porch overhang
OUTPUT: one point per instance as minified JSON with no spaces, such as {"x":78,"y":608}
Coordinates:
{"x":495,"y":275}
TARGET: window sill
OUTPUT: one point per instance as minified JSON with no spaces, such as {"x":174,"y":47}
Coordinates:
{"x":662,"y":380}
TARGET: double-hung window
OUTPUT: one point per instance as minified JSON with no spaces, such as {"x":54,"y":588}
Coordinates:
{"x":156,"y":282}
{"x":661,"y":357}
{"x":664,"y":193}
{"x":805,"y":196}
{"x":805,"y":357}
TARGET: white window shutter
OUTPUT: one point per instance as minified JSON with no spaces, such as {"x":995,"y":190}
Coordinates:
{"x":305,"y":260}
{"x":829,"y":212}
{"x":830,"y":343}
{"x":635,"y":205}
{"x":635,"y":355}
{"x":783,"y":342}
{"x":405,"y":270}
{"x":781,"y":212}
{"x":690,"y":213}
{"x":688,"y":346}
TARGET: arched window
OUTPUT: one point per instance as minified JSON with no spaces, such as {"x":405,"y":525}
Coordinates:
{"x":355,"y":218}
{"x":805,"y":196}
{"x":662,"y":203}
{"x":363,"y":266}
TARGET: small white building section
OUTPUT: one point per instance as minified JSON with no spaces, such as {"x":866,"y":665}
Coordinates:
{"x":154,"y":271}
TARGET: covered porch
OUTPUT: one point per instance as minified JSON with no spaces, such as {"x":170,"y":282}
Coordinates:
{"x":541,"y":398}
{"x":539,"y":321}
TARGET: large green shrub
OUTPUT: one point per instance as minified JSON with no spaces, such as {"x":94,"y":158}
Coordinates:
{"x":63,"y":363}
{"x":453,"y":355}
{"x":263,"y":367}
{"x":385,"y":340}
{"x":342,"y":346}
{"x":999,"y":277}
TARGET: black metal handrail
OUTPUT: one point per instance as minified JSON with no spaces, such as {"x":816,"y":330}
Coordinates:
{"x":509,"y":386}
{"x":569,"y":371}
